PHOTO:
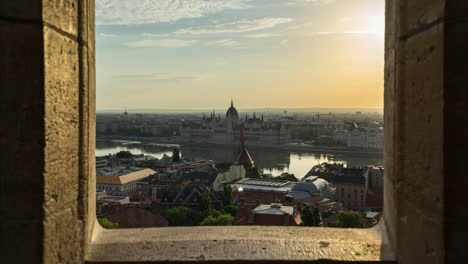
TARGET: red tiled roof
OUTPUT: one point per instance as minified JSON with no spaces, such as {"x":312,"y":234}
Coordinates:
{"x":133,"y":217}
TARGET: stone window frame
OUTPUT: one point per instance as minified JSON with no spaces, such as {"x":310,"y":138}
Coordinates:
{"x":47,"y":189}
{"x":233,"y":243}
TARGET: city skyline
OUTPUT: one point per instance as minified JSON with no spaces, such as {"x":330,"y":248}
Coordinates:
{"x":196,"y":55}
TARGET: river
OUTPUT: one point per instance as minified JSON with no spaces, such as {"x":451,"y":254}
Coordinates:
{"x":270,"y":161}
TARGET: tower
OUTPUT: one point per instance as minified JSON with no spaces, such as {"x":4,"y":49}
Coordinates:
{"x":244,"y":156}
{"x":245,"y":159}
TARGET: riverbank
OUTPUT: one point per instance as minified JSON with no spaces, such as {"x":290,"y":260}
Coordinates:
{"x":299,"y":148}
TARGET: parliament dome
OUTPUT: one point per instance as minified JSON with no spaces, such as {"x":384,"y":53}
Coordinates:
{"x":232,"y":112}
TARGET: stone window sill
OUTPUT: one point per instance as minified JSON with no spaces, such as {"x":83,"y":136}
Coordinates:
{"x":239,"y":244}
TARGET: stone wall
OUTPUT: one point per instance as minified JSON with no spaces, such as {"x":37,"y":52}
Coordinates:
{"x":47,"y":104}
{"x":426,"y":79}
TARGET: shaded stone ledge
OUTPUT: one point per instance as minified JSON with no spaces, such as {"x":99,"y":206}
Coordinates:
{"x":240,"y":243}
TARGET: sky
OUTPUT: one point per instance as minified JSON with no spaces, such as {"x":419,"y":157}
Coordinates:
{"x":198,"y":54}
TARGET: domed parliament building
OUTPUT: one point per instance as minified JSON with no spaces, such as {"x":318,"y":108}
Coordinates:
{"x":214,"y":129}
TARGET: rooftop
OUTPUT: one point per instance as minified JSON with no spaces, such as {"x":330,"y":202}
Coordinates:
{"x":274,"y":209}
{"x":124,"y":179}
{"x":264,"y":185}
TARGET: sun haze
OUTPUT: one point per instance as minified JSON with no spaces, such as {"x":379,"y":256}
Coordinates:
{"x":197,"y":54}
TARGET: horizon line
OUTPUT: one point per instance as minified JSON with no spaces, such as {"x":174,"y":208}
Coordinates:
{"x":245,"y":108}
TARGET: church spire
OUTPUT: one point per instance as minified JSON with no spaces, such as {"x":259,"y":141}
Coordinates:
{"x":232,"y":102}
{"x":244,"y":156}
{"x":241,"y":138}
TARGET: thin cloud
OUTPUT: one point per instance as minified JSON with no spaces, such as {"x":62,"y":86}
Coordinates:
{"x":154,"y":35}
{"x":158,"y":77}
{"x":224,"y":43}
{"x":106,"y":35}
{"x":320,"y":33}
{"x":243,"y":25}
{"x":316,"y":2}
{"x":163,"y":43}
{"x":263,"y":35}
{"x":125,"y":12}
{"x":358,"y":32}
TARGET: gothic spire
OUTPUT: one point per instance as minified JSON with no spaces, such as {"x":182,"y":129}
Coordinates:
{"x":244,"y":156}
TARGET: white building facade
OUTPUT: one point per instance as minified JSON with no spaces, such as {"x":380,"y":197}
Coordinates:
{"x":257,"y":131}
{"x":365,"y":137}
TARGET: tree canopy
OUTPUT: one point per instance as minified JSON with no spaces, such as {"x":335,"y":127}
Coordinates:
{"x":182,"y":216}
{"x":176,"y":155}
{"x":222,"y":220}
{"x":287,"y":176}
{"x":205,"y":202}
{"x":349,"y":219}
{"x":124,"y":154}
{"x":310,"y":216}
{"x":231,"y":209}
{"x":104,"y":222}
{"x":227,"y":195}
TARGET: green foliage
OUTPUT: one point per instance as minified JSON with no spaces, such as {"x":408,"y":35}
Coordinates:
{"x":124,"y":154}
{"x":287,"y":176}
{"x":227,"y":195}
{"x":104,"y":222}
{"x":349,"y":219}
{"x":175,"y":155}
{"x":231,"y":209}
{"x":205,"y":202}
{"x":182,"y":216}
{"x":222,"y":220}
{"x":215,"y":213}
{"x":310,"y":216}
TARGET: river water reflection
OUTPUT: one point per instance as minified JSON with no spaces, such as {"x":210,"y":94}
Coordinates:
{"x":270,"y":161}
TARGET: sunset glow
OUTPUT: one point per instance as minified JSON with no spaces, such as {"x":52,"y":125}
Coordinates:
{"x":263,"y":53}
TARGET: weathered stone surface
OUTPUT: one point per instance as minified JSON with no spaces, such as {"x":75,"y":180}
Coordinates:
{"x":236,"y":243}
{"x":62,"y":14}
{"x":21,"y":10}
{"x":418,"y":15}
{"x":425,"y":103}
{"x":63,"y":240}
{"x":61,"y":120}
{"x":21,"y":141}
{"x":44,"y":150}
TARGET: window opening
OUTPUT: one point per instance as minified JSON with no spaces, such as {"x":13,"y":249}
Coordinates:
{"x":239,"y":112}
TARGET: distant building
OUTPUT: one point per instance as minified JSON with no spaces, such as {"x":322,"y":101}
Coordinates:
{"x":116,"y":183}
{"x":165,"y":165}
{"x":350,"y":184}
{"x":370,"y":137}
{"x":354,"y":136}
{"x":375,"y":176}
{"x":274,"y":214}
{"x":213,"y":129}
{"x":351,"y":191}
{"x":311,"y":190}
{"x":234,"y":173}
{"x":260,"y":191}
{"x":375,"y":190}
